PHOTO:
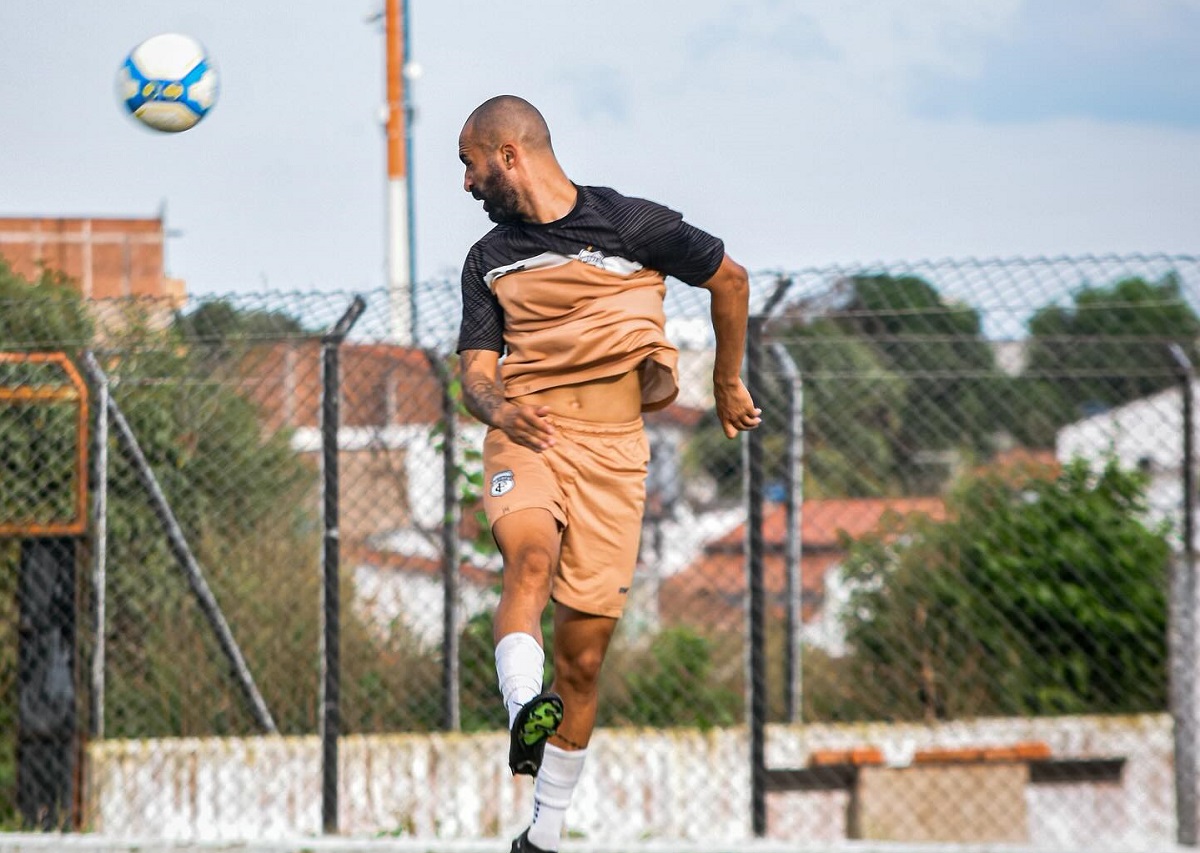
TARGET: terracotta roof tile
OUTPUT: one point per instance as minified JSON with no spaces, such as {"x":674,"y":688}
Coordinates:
{"x":714,"y":585}
{"x":823,"y":521}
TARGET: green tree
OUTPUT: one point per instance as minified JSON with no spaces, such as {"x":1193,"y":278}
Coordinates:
{"x":853,"y":412}
{"x":219,"y":321}
{"x":895,"y":382}
{"x":710,"y":453}
{"x":1110,"y":346}
{"x":948,"y":366}
{"x":38,"y":439}
{"x":248,"y":505}
{"x":224,"y":339}
{"x":1037,"y":596}
{"x":39,"y":315}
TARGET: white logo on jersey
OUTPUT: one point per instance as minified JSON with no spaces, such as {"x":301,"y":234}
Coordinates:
{"x":502,"y":482}
{"x":591,"y":256}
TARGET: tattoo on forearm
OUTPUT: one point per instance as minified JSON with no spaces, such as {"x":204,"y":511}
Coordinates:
{"x":483,"y":399}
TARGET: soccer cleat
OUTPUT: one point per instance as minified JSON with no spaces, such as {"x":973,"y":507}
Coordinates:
{"x":522,"y":844}
{"x":537,"y":720}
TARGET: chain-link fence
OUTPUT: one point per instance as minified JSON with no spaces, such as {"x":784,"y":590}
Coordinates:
{"x":945,"y":593}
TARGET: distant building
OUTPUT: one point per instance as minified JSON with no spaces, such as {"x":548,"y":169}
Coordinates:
{"x":390,"y":438}
{"x":712,"y":590}
{"x":117,"y":264}
{"x":107,"y":258}
{"x":391,"y":476}
{"x":1146,"y":434}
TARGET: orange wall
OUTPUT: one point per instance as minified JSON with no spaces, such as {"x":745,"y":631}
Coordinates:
{"x":106,"y":258}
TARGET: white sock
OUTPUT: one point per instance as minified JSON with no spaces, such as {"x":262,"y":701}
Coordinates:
{"x":552,"y":790}
{"x":520,"y":662}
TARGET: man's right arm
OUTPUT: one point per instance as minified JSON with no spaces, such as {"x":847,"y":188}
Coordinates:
{"x":729,"y":288}
{"x":484,"y":398}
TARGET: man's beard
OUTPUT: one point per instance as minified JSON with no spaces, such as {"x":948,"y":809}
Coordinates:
{"x":500,"y":200}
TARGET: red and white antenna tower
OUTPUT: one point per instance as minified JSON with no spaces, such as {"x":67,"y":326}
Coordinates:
{"x":399,"y":228}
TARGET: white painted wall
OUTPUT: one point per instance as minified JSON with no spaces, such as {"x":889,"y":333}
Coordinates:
{"x":664,"y":784}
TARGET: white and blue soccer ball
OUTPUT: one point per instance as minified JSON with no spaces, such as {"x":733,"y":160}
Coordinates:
{"x":168,"y":82}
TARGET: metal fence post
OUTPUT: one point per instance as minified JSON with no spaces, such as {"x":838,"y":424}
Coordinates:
{"x":330,"y":706}
{"x":451,"y":556}
{"x":756,"y":595}
{"x":755,"y":548}
{"x":1182,"y":640}
{"x":793,"y":650}
{"x":99,"y":557}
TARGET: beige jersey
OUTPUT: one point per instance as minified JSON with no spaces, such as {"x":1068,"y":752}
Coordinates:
{"x":582,"y":298}
{"x":574,"y":322}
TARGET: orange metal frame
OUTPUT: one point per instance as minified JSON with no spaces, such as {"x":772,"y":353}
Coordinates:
{"x":76,"y":390}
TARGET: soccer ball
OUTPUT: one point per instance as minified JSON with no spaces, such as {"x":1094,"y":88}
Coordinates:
{"x":168,"y":82}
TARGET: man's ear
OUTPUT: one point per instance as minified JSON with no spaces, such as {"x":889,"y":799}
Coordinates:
{"x":508,"y":153}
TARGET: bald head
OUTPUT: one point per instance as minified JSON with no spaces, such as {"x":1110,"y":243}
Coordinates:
{"x":507,"y":118}
{"x":509,"y":164}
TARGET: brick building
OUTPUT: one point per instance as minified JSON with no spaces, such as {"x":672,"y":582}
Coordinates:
{"x":107,"y":258}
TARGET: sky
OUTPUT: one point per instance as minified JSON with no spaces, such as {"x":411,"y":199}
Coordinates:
{"x":803,"y":133}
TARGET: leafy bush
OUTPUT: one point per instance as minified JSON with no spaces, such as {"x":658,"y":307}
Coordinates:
{"x":1037,"y":596}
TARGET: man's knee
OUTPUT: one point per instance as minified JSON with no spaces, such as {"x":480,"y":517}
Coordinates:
{"x":528,"y":540}
{"x":528,"y":572}
{"x":579,"y":668}
{"x":530,"y":565}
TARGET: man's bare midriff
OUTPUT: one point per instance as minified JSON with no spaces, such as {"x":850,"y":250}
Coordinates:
{"x":612,"y":400}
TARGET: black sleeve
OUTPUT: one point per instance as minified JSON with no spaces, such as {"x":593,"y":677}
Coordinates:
{"x":659,"y":238}
{"x":686,"y":252}
{"x":482,"y":317}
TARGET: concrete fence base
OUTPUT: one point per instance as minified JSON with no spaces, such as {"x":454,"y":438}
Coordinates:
{"x":679,"y":787}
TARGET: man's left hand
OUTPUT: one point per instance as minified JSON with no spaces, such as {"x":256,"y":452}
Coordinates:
{"x":735,"y":408}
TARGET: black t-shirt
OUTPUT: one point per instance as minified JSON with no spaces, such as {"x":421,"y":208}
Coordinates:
{"x":603,"y":223}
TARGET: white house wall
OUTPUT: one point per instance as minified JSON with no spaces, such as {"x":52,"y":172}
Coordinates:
{"x":1146,"y":434}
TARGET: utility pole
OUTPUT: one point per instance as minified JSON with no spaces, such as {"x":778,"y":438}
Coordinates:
{"x":402,"y":305}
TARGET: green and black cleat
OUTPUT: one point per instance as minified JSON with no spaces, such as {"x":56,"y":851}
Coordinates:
{"x":537,"y":720}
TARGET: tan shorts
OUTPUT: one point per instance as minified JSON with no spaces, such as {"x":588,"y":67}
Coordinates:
{"x":593,"y":481}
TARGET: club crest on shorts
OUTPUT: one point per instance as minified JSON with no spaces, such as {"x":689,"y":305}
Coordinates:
{"x":502,"y":482}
